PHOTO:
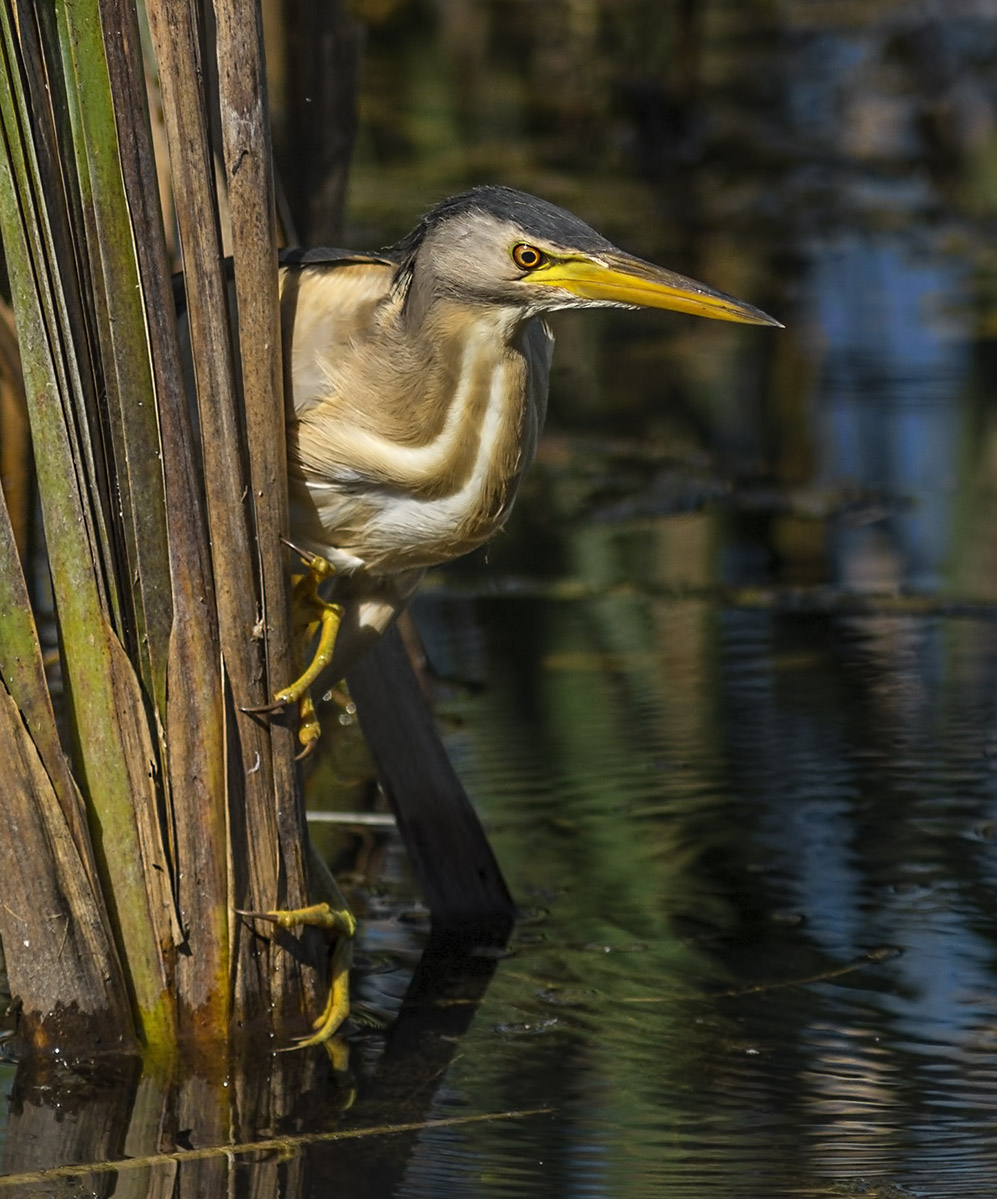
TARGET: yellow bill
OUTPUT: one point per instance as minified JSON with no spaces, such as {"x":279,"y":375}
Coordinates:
{"x":622,"y":279}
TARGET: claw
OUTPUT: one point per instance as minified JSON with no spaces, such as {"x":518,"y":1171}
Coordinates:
{"x":337,"y":1006}
{"x":325,"y":617}
{"x":311,"y":613}
{"x":342,"y":924}
{"x":318,"y":566}
{"x":340,"y":921}
{"x":309,"y":729}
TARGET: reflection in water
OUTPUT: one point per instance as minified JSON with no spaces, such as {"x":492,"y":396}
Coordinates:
{"x":888,"y":416}
{"x":710,"y":1003}
{"x":732,"y":704}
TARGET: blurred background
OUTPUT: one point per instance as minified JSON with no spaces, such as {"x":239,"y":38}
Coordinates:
{"x":724,"y":690}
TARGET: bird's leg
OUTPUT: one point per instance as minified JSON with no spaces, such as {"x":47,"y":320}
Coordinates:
{"x":310,"y":614}
{"x":334,"y":917}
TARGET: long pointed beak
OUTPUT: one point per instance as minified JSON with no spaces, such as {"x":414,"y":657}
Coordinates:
{"x":618,"y":278}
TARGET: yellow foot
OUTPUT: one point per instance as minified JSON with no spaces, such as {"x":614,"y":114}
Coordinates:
{"x":337,"y":1006}
{"x":310,"y":614}
{"x":341,"y":924}
{"x":309,"y":729}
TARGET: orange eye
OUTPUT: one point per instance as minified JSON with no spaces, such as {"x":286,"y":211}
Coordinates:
{"x":528,"y":257}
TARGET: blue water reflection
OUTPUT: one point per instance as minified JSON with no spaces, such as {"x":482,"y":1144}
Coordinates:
{"x":894,"y":349}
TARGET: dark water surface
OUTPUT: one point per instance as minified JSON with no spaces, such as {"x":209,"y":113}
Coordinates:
{"x":724,"y":692}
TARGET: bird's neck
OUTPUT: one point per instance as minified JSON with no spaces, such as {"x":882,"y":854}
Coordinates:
{"x":471,"y":431}
{"x":483,"y":375}
{"x":423,"y":314}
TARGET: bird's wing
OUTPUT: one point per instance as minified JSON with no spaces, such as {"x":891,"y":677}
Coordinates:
{"x":328,"y":301}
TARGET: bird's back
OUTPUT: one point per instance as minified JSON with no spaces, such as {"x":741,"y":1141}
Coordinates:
{"x":327,"y":298}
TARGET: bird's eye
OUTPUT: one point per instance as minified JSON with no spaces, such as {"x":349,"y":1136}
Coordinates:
{"x":528,"y":257}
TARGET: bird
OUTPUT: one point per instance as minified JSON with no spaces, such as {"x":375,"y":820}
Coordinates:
{"x":416,"y":382}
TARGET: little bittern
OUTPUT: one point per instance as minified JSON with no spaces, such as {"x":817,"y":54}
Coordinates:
{"x":417,"y":385}
{"x":417,"y":382}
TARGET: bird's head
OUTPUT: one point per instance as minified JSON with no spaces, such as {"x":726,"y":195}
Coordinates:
{"x":497,"y":246}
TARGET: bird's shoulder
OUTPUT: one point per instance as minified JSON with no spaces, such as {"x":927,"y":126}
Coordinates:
{"x":328,"y":286}
{"x":313,"y":263}
{"x":330,"y":301}
{"x":333,"y":258}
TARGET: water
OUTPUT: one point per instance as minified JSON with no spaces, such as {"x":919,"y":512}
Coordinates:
{"x":724,"y":692}
{"x":764,"y":963}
